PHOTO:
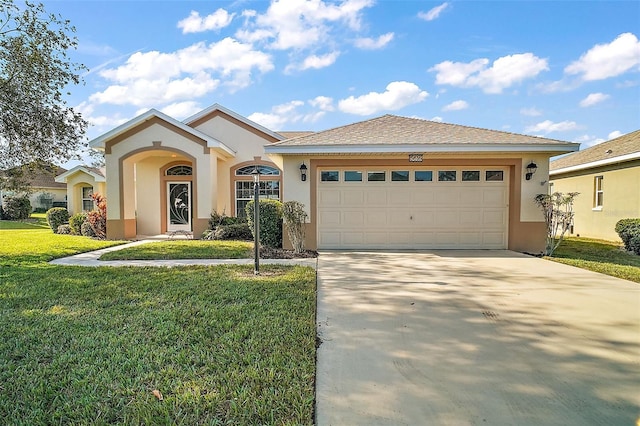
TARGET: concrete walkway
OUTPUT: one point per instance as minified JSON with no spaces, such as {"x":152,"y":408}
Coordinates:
{"x":90,"y":259}
{"x":474,"y":338}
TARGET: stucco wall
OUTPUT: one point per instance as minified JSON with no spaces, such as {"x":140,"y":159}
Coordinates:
{"x":58,"y":195}
{"x":75,"y":183}
{"x":621,"y":186}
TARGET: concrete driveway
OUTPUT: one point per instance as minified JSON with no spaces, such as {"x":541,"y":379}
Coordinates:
{"x":474,"y":338}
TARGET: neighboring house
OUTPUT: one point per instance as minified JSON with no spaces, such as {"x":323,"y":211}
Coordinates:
{"x":389,"y":182}
{"x":44,"y":191}
{"x":607,"y":176}
{"x":81,"y":183}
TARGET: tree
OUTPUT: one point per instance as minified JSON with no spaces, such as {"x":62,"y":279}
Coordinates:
{"x":36,"y":125}
{"x":558,"y":216}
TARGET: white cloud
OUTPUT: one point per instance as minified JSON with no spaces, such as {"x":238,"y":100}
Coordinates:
{"x":608,"y":60}
{"x":368,"y":43}
{"x":323,"y":103}
{"x":300,"y":24}
{"x":99,"y":121}
{"x":279,"y":115}
{"x":531,"y":112}
{"x":433,"y":13}
{"x":593,"y":98}
{"x":180,"y":110}
{"x":314,"y":62}
{"x":313,"y":117}
{"x":153,"y":78}
{"x":437,"y":118}
{"x":398,"y":94}
{"x":614,"y":134}
{"x":549,"y":126}
{"x":503,"y":73}
{"x":194,"y":23}
{"x":456,"y":106}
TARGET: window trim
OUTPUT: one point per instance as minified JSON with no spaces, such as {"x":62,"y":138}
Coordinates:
{"x":598,"y":193}
{"x":233,"y":178}
{"x":87,"y":199}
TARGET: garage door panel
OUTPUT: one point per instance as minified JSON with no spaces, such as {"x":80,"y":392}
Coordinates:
{"x":411,"y":214}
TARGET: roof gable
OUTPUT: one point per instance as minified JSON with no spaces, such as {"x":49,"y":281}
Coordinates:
{"x":404,"y":134}
{"x":623,"y":148}
{"x":95,"y":173}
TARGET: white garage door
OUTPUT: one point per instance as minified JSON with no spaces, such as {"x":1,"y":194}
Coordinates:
{"x":413,"y":208}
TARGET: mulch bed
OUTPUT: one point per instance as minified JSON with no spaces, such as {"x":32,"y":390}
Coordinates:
{"x":278,"y":253}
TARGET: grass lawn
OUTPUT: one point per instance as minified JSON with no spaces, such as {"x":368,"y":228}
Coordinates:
{"x":600,"y":256}
{"x":184,"y":249}
{"x":90,"y":345}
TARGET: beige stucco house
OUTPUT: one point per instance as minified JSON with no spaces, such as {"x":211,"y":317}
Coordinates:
{"x":44,"y":191}
{"x":81,"y":183}
{"x":607,"y":176}
{"x":390,"y":182}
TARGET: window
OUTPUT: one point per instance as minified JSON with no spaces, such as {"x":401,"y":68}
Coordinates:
{"x":446,"y":176}
{"x":598,"y":192}
{"x":471,"y":176}
{"x":329,"y":176}
{"x":352,"y":176}
{"x":494,"y":175}
{"x":180,"y":170}
{"x":264,"y":170}
{"x":269,"y":189}
{"x":376,"y":176}
{"x":87,"y":201}
{"x":400,"y":176}
{"x":423,"y":176}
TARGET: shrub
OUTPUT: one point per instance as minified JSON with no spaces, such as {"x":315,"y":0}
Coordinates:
{"x":64,"y":229}
{"x":57,"y":216}
{"x":629,"y":232}
{"x":295,"y":217}
{"x":270,"y":222}
{"x":86,"y":230}
{"x":221,"y":219}
{"x":557,"y":209}
{"x":16,"y":208}
{"x":238,"y":231}
{"x":76,"y":221}
{"x":98,"y":217}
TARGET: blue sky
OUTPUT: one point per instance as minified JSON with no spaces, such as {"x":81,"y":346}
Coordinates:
{"x":567,"y":70}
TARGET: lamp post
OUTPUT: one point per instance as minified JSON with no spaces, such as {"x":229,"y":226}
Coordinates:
{"x":256,"y":219}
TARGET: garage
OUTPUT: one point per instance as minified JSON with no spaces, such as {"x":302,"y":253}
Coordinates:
{"x":412,"y":207}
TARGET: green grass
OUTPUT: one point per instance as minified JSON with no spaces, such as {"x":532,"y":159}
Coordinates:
{"x":36,"y":221}
{"x":89,"y":345}
{"x":184,"y":249}
{"x":605,"y":257}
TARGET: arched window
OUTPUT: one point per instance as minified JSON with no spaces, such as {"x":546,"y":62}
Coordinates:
{"x":179,"y":170}
{"x":270,"y":178}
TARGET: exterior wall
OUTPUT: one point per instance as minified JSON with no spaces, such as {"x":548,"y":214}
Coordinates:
{"x":621,"y":198}
{"x":75,"y":183}
{"x":526,"y":223}
{"x":59,"y":195}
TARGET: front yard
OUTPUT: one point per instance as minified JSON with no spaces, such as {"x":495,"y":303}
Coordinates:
{"x":91,"y":345}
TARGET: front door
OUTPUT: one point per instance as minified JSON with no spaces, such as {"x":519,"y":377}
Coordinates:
{"x":179,"y":206}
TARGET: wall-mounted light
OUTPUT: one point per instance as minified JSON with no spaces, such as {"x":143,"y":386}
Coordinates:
{"x":303,"y":172}
{"x":531,"y":170}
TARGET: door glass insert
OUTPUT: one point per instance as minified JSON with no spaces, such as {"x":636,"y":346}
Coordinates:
{"x":179,"y":206}
{"x":494,"y":175}
{"x":400,"y":176}
{"x":352,"y":176}
{"x":329,"y":176}
{"x":423,"y":176}
{"x":446,"y":175}
{"x":376,"y":176}
{"x":471,"y":176}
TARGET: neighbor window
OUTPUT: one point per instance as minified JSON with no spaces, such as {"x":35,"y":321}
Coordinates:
{"x":494,"y":175}
{"x":352,"y":176}
{"x":87,"y":200}
{"x":329,"y":176}
{"x":423,"y":176}
{"x":400,"y":176}
{"x":446,"y":175}
{"x":598,"y":192}
{"x":376,"y":176}
{"x":470,"y":176}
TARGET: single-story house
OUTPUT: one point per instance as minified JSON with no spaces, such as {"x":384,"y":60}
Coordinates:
{"x":45,"y":192}
{"x":81,"y":183}
{"x":388,"y":182}
{"x":607,"y":176}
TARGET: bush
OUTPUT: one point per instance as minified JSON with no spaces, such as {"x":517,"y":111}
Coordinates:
{"x":238,"y":231}
{"x":16,"y":208}
{"x":64,"y":229}
{"x":86,"y":230}
{"x":221,"y":219}
{"x":629,"y":232}
{"x":76,"y":221}
{"x":57,"y":216}
{"x":270,"y":222}
{"x":98,"y":217}
{"x":295,"y":218}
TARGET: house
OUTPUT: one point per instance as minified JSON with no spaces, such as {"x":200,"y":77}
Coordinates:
{"x":388,"y":182}
{"x":607,"y":176}
{"x":81,"y":183}
{"x":44,"y":191}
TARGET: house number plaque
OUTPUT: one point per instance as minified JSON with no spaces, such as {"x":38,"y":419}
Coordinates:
{"x":415,"y":158}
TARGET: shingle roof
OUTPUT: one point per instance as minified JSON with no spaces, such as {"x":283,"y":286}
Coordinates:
{"x":392,"y":129}
{"x":621,"y":146}
{"x":294,"y":134}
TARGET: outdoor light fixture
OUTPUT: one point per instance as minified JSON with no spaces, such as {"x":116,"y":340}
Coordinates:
{"x":303,"y":172}
{"x":531,"y":170}
{"x":256,"y":219}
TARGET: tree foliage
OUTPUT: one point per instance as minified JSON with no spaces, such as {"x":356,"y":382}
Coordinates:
{"x":36,"y":124}
{"x":558,"y":215}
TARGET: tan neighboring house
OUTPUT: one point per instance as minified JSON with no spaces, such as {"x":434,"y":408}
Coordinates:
{"x":386,"y":183}
{"x":607,"y":176}
{"x":81,"y":183}
{"x":45,"y":191}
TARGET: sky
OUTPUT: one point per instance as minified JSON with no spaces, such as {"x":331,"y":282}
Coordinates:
{"x":567,"y":70}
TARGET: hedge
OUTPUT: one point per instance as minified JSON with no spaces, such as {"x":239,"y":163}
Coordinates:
{"x":629,"y":232}
{"x":270,"y":222}
{"x":57,"y":216}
